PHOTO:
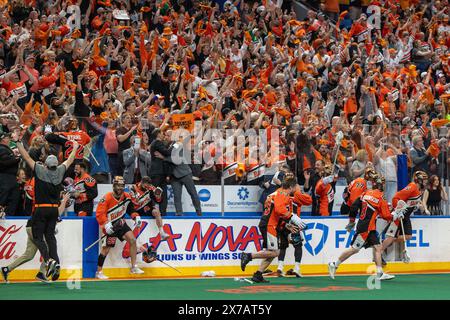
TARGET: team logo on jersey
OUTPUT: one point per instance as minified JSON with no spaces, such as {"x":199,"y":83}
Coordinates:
{"x":243,"y":193}
{"x":316,"y":236}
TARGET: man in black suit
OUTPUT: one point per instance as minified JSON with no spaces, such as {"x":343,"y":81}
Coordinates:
{"x":159,"y":169}
{"x":312,"y":176}
{"x":179,"y":158}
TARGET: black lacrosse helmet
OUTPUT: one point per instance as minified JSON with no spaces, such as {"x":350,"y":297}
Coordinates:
{"x":150,"y":255}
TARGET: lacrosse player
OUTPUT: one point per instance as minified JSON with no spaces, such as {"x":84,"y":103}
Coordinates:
{"x":289,"y":233}
{"x":276,"y":208}
{"x":110,"y":212}
{"x":355,"y":189}
{"x":148,"y":198}
{"x":370,"y":205}
{"x":411,"y":195}
{"x":325,"y":191}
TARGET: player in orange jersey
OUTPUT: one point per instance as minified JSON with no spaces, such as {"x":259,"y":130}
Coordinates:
{"x":412,"y":195}
{"x":110,"y":212}
{"x":370,"y":205}
{"x":289,"y":233}
{"x":66,"y":139}
{"x":148,"y":197}
{"x":85,"y":191}
{"x":325,"y":191}
{"x":276,"y":209}
{"x":355,"y":189}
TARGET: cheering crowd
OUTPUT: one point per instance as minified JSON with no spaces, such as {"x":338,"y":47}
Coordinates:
{"x":115,"y":76}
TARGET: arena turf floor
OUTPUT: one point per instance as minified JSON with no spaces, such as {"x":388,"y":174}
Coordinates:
{"x":404,"y":286}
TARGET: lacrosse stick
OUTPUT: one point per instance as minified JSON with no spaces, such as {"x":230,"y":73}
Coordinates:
{"x":339,"y":137}
{"x":97,"y":241}
{"x":243,"y":280}
{"x":117,"y":223}
{"x":92,"y":155}
{"x":168,"y":265}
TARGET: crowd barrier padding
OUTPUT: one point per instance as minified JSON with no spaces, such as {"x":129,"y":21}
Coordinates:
{"x":198,"y":244}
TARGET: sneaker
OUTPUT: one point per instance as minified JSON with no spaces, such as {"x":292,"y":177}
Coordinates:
{"x":51,"y":266}
{"x":267,"y":271}
{"x":258,"y":278}
{"x":245,"y":259}
{"x":292,"y":272}
{"x":42,"y":278}
{"x":385,"y":276}
{"x":279,"y":273}
{"x":101,"y":275}
{"x":55,"y":275}
{"x":332,"y":269}
{"x":136,"y":270}
{"x":5,"y":272}
{"x":164,"y":236}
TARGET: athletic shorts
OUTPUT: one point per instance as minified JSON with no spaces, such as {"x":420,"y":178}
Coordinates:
{"x":110,"y":240}
{"x":395,"y":228}
{"x":283,"y":239}
{"x":270,"y":242}
{"x":147,"y":211}
{"x":359,"y":242}
{"x":345,"y":209}
{"x":85,"y":208}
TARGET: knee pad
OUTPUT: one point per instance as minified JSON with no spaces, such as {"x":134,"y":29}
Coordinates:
{"x":392,"y":230}
{"x":358,"y":243}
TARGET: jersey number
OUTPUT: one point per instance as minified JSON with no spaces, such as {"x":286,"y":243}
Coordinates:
{"x":362,"y":216}
{"x":79,"y":153}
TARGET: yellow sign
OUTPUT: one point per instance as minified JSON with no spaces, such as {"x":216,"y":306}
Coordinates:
{"x":185,"y":121}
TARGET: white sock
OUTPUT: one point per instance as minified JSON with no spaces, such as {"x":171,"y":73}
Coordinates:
{"x":338,"y":262}
{"x":379,"y":270}
{"x":160,"y":229}
{"x":280,"y":265}
{"x":297,"y":267}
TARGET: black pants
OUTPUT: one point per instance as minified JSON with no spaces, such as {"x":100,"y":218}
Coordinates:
{"x":9,"y":193}
{"x":43,"y":225}
{"x":113,"y":162}
{"x":160,"y":181}
{"x":87,"y":207}
{"x":315,"y":208}
{"x":177,"y":185}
